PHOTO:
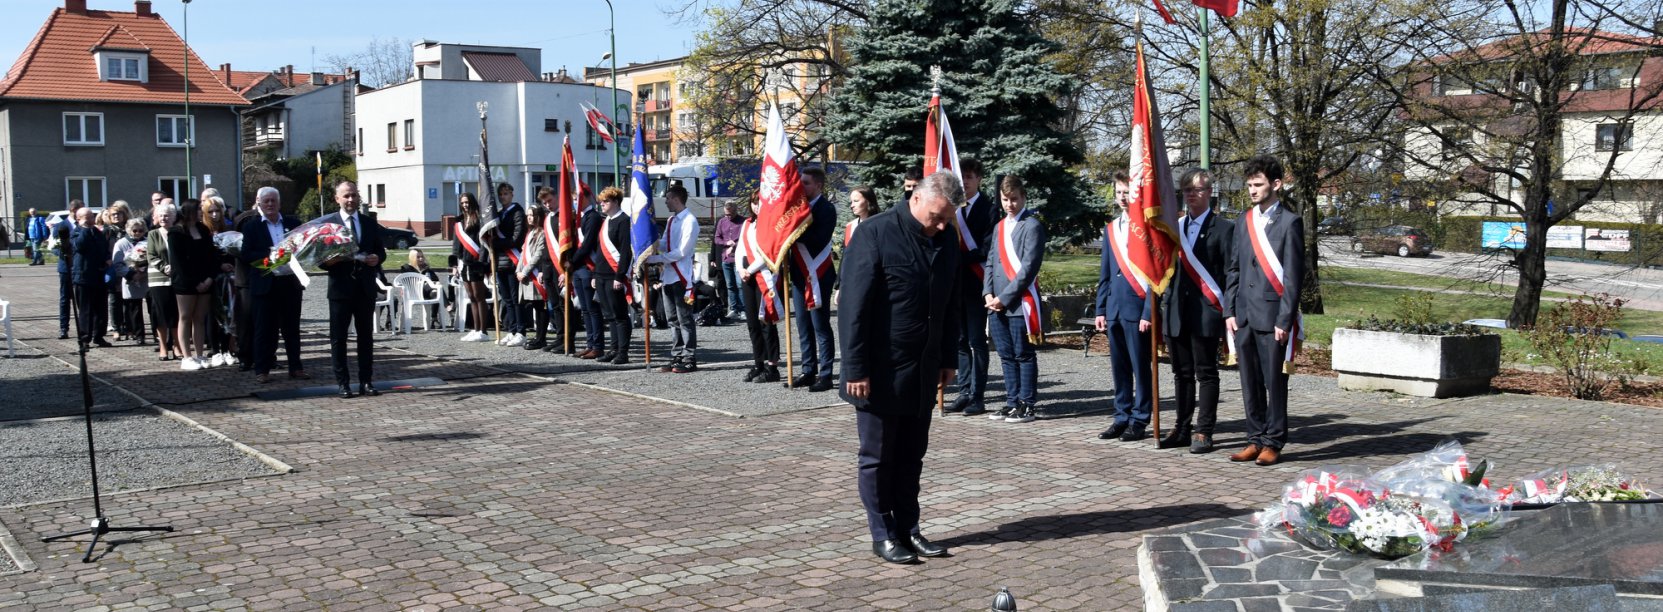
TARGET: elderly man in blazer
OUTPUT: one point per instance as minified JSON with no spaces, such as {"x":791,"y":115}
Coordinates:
{"x":1123,"y":314}
{"x":1261,"y":307}
{"x":1192,"y":316}
{"x":91,"y":259}
{"x":898,"y":316}
{"x":276,"y":297}
{"x":353,"y":291}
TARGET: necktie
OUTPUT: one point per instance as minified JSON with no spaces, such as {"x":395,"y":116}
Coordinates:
{"x":355,"y":230}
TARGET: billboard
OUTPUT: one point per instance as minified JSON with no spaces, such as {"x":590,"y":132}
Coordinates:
{"x":1565,"y":237}
{"x":1502,"y":235}
{"x":1597,"y":239}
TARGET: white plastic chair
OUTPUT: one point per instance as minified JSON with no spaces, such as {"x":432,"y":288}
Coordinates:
{"x":463,"y":303}
{"x":391,"y":302}
{"x":6,"y":318}
{"x":413,"y":285}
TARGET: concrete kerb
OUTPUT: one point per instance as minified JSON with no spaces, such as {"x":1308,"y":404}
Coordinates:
{"x":9,"y":545}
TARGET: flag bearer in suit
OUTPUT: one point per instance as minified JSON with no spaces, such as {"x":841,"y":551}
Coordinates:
{"x":1123,"y":313}
{"x":1192,"y":315}
{"x":812,"y":277}
{"x":612,"y":274}
{"x":976,"y":218}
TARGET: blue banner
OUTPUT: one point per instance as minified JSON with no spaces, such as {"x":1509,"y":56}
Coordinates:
{"x":1502,"y":235}
{"x":643,"y":233}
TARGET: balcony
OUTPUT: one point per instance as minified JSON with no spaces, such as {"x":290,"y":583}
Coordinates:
{"x":271,"y":136}
{"x":657,"y":135}
{"x":652,"y":106}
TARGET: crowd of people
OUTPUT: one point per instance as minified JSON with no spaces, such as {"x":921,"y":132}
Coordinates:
{"x":923,"y":290}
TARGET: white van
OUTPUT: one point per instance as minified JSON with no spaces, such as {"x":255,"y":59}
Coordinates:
{"x":705,"y":194}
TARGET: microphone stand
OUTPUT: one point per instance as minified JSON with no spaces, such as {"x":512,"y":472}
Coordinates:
{"x":100,"y":525}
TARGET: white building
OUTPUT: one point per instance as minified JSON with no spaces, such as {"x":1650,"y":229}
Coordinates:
{"x":417,"y":142}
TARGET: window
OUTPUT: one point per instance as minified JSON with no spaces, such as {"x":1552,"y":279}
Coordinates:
{"x":592,"y":139}
{"x":174,"y":131}
{"x":379,"y":195}
{"x":409,"y":134}
{"x":1614,"y":137}
{"x":1608,"y":77}
{"x":358,"y":142}
{"x":89,"y":189}
{"x":176,"y":187}
{"x":122,"y":66}
{"x":451,"y":194}
{"x":1454,"y":140}
{"x":392,"y":137}
{"x":551,"y":125}
{"x":86,"y":129}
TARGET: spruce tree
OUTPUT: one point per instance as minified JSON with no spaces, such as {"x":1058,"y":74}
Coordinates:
{"x":998,"y":89}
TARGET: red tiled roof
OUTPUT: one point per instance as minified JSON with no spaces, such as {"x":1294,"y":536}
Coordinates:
{"x":59,"y":63}
{"x":499,"y":67}
{"x":243,"y":80}
{"x":1580,"y":41}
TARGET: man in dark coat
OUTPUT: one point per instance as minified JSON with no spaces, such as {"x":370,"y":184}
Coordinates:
{"x":353,"y":292}
{"x":1123,"y":314}
{"x":898,"y":318}
{"x":977,"y":217}
{"x":92,"y":258}
{"x":508,"y":235}
{"x":1191,"y":312}
{"x":581,"y":265}
{"x":66,"y":260}
{"x":275,"y":297}
{"x":1261,"y":307}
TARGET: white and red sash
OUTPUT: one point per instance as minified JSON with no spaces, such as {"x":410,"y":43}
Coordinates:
{"x":551,"y":239}
{"x":538,"y":284}
{"x":1198,"y":273}
{"x":849,"y":231}
{"x":1028,"y":300}
{"x":609,"y":250}
{"x":813,"y":267}
{"x":676,"y":266}
{"x":1272,"y":267}
{"x":1116,"y":237}
{"x":468,"y":243}
{"x":749,"y":264}
{"x":967,"y":243}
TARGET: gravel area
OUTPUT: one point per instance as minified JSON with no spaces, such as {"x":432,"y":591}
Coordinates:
{"x":37,"y":386}
{"x":46,"y":459}
{"x":7,"y":563}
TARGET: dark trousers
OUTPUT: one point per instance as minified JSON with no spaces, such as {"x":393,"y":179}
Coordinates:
{"x":973,"y":359}
{"x":93,"y":314}
{"x":244,"y":317}
{"x":765,"y":337}
{"x":1195,"y":368}
{"x":1016,"y":358}
{"x":360,"y":314}
{"x":278,"y":312}
{"x":614,"y":310}
{"x":1129,"y":361}
{"x":539,"y":318}
{"x":508,"y":301}
{"x":131,"y":314}
{"x":684,"y":324}
{"x":814,"y":332}
{"x":892,"y":450}
{"x":66,"y":293}
{"x":733,"y":291}
{"x":589,"y":312}
{"x":118,"y":316}
{"x":1264,"y":387}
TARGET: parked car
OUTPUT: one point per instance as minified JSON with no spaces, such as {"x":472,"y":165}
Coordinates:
{"x":59,"y":216}
{"x":394,"y":238}
{"x":1491,"y":323}
{"x":1603,"y":331}
{"x":1400,"y":240}
{"x":1334,"y":226}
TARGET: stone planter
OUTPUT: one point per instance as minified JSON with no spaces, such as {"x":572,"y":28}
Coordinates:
{"x":1411,"y":364}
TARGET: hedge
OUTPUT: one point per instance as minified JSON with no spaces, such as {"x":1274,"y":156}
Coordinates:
{"x":1463,"y":234}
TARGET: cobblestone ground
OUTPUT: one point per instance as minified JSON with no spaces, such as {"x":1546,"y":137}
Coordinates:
{"x":500,"y":491}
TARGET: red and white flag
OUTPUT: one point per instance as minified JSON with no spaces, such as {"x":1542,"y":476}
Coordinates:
{"x":564,"y":217}
{"x":942,"y":155}
{"x":1151,"y":244}
{"x":783,"y":212}
{"x":598,"y":121}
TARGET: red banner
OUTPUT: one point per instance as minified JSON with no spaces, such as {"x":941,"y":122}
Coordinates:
{"x":783,"y":211}
{"x":1151,"y":244}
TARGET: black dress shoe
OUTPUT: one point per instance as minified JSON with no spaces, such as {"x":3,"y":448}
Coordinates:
{"x":369,"y":389}
{"x":1112,"y":432}
{"x":63,"y":335}
{"x":925,"y":548}
{"x":803,"y":380}
{"x":1134,"y":434}
{"x":822,"y":384}
{"x":607,"y":357}
{"x":893,"y":551}
{"x":1178,"y":438}
{"x":346,"y":392}
{"x":244,"y":367}
{"x":534,"y":345}
{"x":102,"y":343}
{"x":769,"y":375}
{"x":751,"y":375}
{"x":959,"y":404}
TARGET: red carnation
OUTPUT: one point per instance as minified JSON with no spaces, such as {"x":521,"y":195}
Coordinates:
{"x":1340,"y":516}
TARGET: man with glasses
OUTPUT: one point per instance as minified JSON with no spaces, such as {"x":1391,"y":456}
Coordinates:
{"x":1192,"y":312}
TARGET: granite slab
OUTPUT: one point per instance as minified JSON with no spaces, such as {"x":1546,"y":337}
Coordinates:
{"x":1602,"y":598}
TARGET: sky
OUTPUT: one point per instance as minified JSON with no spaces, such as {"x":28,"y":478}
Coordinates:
{"x":262,"y":35}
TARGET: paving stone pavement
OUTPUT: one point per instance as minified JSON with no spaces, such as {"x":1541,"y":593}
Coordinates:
{"x":501,"y":491}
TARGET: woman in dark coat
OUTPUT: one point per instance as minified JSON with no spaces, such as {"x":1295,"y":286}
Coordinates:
{"x":469,"y":253}
{"x":194,"y":262}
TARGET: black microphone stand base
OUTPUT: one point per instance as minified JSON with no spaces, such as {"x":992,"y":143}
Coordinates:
{"x":100,"y":527}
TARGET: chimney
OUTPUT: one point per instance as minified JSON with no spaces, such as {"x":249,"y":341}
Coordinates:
{"x":317,"y":78}
{"x":225,"y":73}
{"x":142,"y":7}
{"x":78,"y":7}
{"x":288,"y":75}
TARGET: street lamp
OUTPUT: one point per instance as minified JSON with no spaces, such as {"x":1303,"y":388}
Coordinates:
{"x":190,"y":122}
{"x":612,"y":33}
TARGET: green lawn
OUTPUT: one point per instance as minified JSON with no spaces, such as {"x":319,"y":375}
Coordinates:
{"x":1345,"y":304}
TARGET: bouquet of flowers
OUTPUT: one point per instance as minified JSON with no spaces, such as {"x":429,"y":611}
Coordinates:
{"x":1334,"y":508}
{"x":308,"y":246}
{"x":230,"y":243}
{"x":1593,"y":483}
{"x":1447,"y":462}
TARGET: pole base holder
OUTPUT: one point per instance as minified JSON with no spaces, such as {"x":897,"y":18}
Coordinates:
{"x":99,"y":527}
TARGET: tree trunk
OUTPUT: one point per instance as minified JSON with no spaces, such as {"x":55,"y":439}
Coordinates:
{"x":1532,"y":267}
{"x":1305,"y":195}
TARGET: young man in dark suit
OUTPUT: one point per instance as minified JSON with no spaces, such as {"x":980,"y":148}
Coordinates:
{"x":66,"y":261}
{"x":276,"y":297}
{"x":92,"y":257}
{"x":977,"y":216}
{"x":353,"y":292}
{"x":812,"y":272}
{"x":897,"y":314}
{"x":1192,"y":315}
{"x":1261,"y":307}
{"x":1123,"y":314}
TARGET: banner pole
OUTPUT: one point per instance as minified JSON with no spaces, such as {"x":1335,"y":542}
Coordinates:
{"x":646,"y":315}
{"x":790,"y":348}
{"x":566,"y":324}
{"x":1155,"y":366}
